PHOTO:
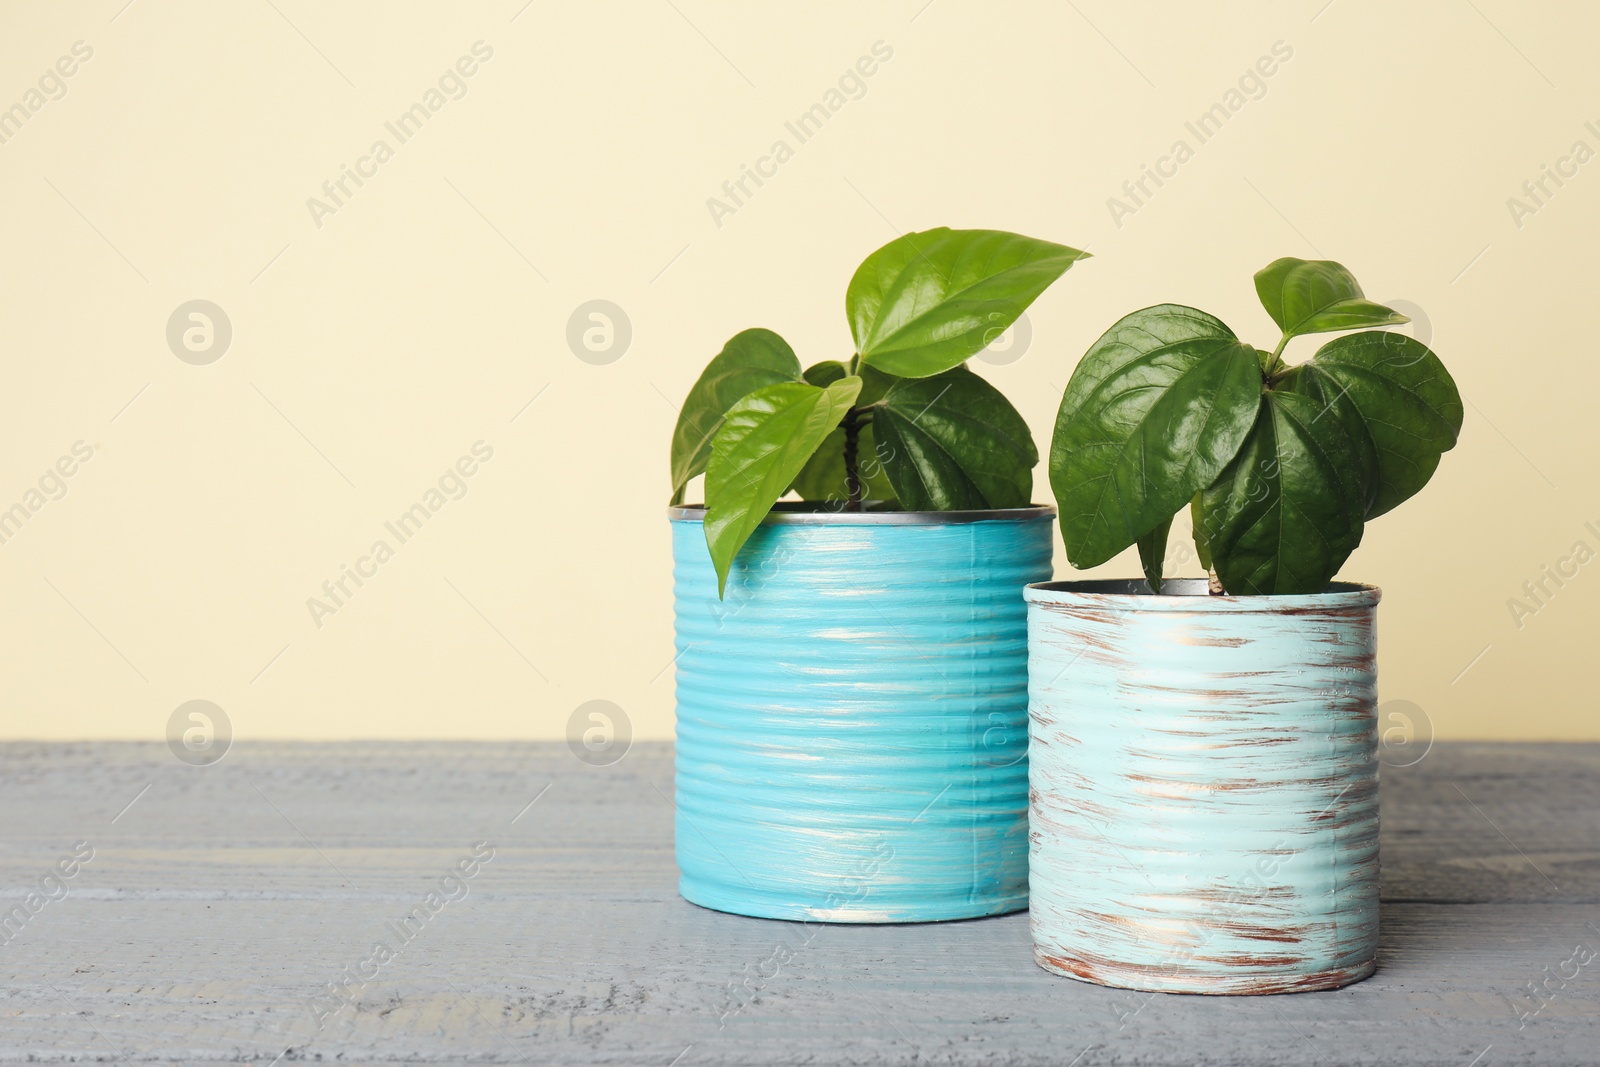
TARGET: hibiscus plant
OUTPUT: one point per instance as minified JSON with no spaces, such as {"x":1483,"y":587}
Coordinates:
{"x":1281,"y":465}
{"x":902,"y":423}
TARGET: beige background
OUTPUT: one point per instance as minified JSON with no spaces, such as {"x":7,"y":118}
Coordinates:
{"x":371,"y":352}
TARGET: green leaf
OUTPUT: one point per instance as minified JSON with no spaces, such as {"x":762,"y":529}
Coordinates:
{"x":1281,"y":518}
{"x":1153,"y":553}
{"x":1361,"y":478}
{"x":1316,"y":296}
{"x":764,"y":442}
{"x":1405,"y":399}
{"x":823,"y":476}
{"x":1154,"y":411}
{"x":925,"y":302}
{"x":750,"y":360}
{"x":874,"y":382}
{"x":826,"y":373}
{"x":952,"y":442}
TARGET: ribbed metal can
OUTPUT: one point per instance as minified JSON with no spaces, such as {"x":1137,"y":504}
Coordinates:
{"x":1204,"y":786}
{"x":852,"y":715}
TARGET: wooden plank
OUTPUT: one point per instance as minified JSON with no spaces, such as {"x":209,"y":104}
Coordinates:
{"x":225,"y":898}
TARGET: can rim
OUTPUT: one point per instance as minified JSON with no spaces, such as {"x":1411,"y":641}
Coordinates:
{"x":1193,"y":594}
{"x":811,"y":513}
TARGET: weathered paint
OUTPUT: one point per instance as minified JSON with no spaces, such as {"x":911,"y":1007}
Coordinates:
{"x":852,"y":718}
{"x":1204,"y":787}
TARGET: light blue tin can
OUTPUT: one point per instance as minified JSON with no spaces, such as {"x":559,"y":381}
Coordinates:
{"x":852,"y":716}
{"x":1204,"y":786}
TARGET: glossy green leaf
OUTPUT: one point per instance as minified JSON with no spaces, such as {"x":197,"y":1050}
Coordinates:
{"x":1317,"y":295}
{"x":1153,"y":553}
{"x":952,"y":442}
{"x":874,"y":382}
{"x":1154,"y":411}
{"x":765,"y":440}
{"x":926,"y":302}
{"x":1360,"y":478}
{"x":1281,"y":518}
{"x":823,"y":477}
{"x":1406,"y":400}
{"x":750,"y":360}
{"x":826,"y":373}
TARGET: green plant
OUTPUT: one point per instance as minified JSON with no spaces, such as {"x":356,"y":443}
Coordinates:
{"x":1281,"y":465}
{"x":902,"y":421}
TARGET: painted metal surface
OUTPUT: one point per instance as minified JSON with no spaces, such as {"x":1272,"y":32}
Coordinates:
{"x":852,"y":717}
{"x":1204,"y":787}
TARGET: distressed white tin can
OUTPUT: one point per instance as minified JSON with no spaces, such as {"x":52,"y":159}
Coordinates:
{"x":1203,"y":786}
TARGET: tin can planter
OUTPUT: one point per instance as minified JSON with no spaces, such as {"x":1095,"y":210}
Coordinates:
{"x":852,"y":716}
{"x":1204,"y":803}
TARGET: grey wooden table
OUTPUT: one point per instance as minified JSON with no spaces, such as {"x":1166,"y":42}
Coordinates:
{"x":229,"y":914}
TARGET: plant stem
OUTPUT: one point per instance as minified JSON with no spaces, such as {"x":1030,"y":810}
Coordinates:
{"x":1214,"y":584}
{"x":852,"y":466}
{"x":1277,"y":356}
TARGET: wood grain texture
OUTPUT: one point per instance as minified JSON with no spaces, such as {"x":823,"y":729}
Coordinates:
{"x":225,"y":898}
